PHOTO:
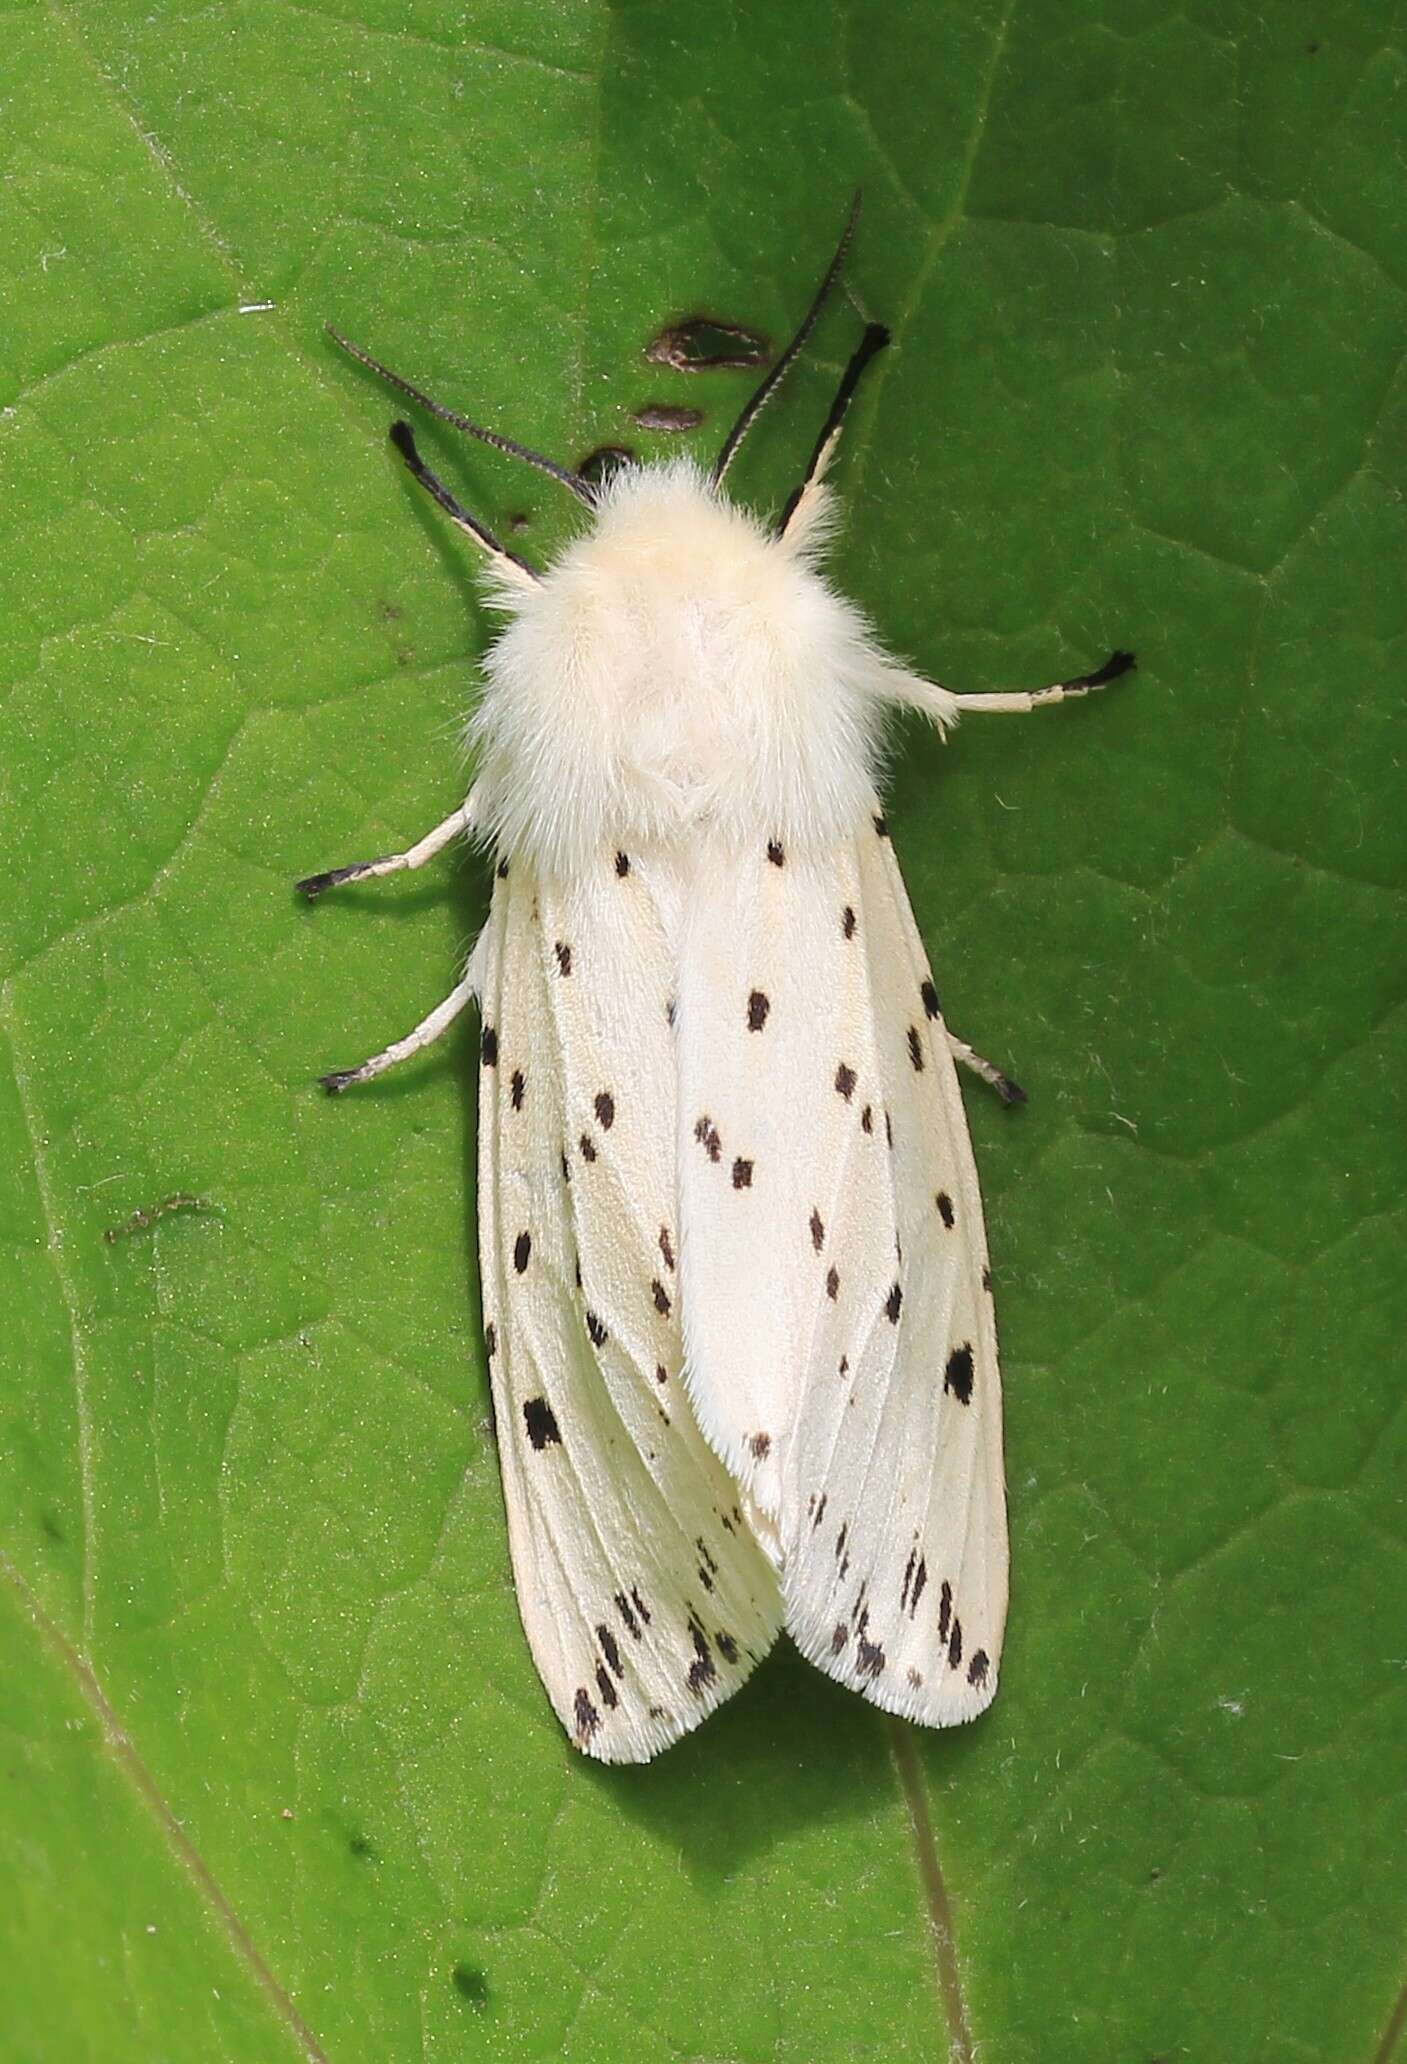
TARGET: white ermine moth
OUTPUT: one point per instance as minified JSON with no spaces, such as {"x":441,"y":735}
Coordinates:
{"x":738,"y":1311}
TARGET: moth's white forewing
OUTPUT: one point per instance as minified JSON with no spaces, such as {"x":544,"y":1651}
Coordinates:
{"x":842,"y":1351}
{"x":644,"y":1597}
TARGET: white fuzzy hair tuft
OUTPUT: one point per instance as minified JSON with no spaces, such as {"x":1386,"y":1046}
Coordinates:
{"x":679,"y":670}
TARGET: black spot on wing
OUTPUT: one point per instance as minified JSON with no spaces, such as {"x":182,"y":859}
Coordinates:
{"x":666,"y":1247}
{"x":930,"y":999}
{"x":622,"y":865}
{"x":519,"y":1087}
{"x":945,"y":1208}
{"x":596,"y":1330}
{"x":839,"y":1637}
{"x":847,"y":922}
{"x":522,"y":1251}
{"x":661,"y":1297}
{"x":490,"y":1341}
{"x":881,"y":825}
{"x":588,"y":1147}
{"x":761,"y":1445}
{"x":867,"y":1119}
{"x":742,"y":1175}
{"x":869,"y":1658}
{"x":892,"y":1304}
{"x":703,"y":1670}
{"x":955,"y":1643}
{"x":957,"y":1377}
{"x":832,"y":1283}
{"x":502,"y":870}
{"x":541,"y":1423}
{"x":605,"y":1108}
{"x":845,"y":1079}
{"x":758,"y":1006}
{"x":986,"y":1278}
{"x":627,"y":1614}
{"x":915,"y":1049}
{"x":776,"y":852}
{"x":725,"y":1644}
{"x":587,"y":1717}
{"x":977,"y":1669}
{"x":488,"y":1046}
{"x":609,"y":1695}
{"x":945,"y":1609}
{"x":818,"y":1231}
{"x":706,"y":1133}
{"x":564,"y":957}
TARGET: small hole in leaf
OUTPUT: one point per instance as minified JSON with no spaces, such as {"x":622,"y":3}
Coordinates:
{"x":701,"y":342}
{"x":662,"y":415}
{"x":598,"y":466}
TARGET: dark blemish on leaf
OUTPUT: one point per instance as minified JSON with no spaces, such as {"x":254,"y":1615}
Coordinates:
{"x":564,"y":957}
{"x":666,"y":1247}
{"x":945,"y":1609}
{"x":609,"y":1695}
{"x":600,"y":465}
{"x":776,"y":853}
{"x":142,"y":1221}
{"x":725,"y":1644}
{"x":881,"y":825}
{"x":488,"y":1046}
{"x":522,"y":1251}
{"x":588,"y":1147}
{"x":840,"y":1637}
{"x":761,"y":1445}
{"x":362,"y":1847}
{"x":848,"y":922}
{"x":955,"y":1644}
{"x":502,"y":870}
{"x":661,"y":1297}
{"x":930,"y":998}
{"x":742,"y":1175}
{"x":706,"y":1133}
{"x":892,"y":1304}
{"x":869,"y":1658}
{"x":541,"y":1422}
{"x":516,"y":1092}
{"x":915,"y":1049}
{"x":820,"y":1509}
{"x":605,"y":1110}
{"x":490,"y":1341}
{"x":595,"y":1328}
{"x":699,"y":343}
{"x":945,"y":1208}
{"x":977,"y":1668}
{"x":832,"y":1283}
{"x":587,"y":1717}
{"x":664,"y":415}
{"x":622,"y":865}
{"x":845,"y":1079}
{"x":628,"y":1619}
{"x":957,"y":1377}
{"x":519,"y":522}
{"x":471,"y":1984}
{"x":818,"y":1231}
{"x":757,"y":1009}
{"x":867,"y":1119}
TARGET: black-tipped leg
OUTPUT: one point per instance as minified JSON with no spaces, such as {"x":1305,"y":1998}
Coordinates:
{"x":870,"y":345}
{"x":1011,"y":1093}
{"x":312,"y":885}
{"x":403,"y":438}
{"x":336,"y":1083}
{"x":1116,"y":665}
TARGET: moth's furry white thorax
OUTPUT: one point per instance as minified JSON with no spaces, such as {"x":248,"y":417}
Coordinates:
{"x":679,"y":671}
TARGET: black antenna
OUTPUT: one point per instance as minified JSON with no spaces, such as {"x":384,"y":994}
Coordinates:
{"x":875,"y":338}
{"x":580,"y":488}
{"x":404,"y":442}
{"x":788,"y":358}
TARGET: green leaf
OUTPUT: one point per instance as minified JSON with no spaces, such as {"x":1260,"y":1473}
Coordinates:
{"x":278,"y":1777}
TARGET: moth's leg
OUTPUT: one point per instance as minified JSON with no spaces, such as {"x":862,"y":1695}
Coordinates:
{"x":425,"y":1034}
{"x":391,"y":863}
{"x":944,"y":707}
{"x":1010,"y":1092}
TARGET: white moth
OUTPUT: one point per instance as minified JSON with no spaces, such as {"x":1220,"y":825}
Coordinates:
{"x":738,"y":1309}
